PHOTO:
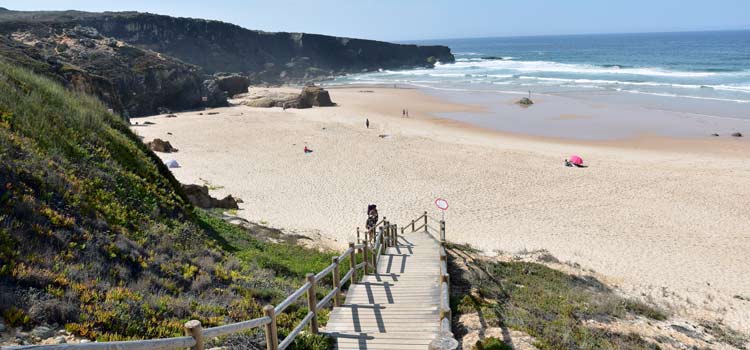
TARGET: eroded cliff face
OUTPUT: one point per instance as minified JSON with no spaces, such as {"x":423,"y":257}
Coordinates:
{"x":130,"y":80}
{"x":143,"y":64}
{"x":223,"y":47}
{"x":265,"y":57}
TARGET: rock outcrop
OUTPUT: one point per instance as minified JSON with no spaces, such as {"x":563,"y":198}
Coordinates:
{"x":309,"y":96}
{"x":198,"y":195}
{"x":265,"y":57}
{"x":73,"y":77}
{"x":159,"y":145}
{"x":128,"y":79}
{"x":316,"y":96}
{"x":233,"y":84}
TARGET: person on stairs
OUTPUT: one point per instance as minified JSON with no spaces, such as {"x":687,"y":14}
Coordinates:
{"x":372,"y":220}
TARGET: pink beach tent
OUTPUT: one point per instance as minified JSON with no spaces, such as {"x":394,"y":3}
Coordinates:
{"x":576,"y":160}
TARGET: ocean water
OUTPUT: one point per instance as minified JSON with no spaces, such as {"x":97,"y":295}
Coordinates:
{"x":710,"y":66}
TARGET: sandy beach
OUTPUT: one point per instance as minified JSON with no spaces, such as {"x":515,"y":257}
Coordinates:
{"x":661,"y":219}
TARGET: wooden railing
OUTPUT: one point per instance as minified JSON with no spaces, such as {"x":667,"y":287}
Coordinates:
{"x":196,"y":336}
{"x":445,"y":339}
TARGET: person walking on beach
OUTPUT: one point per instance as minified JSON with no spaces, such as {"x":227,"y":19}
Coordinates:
{"x":407,"y":113}
{"x":403,"y":113}
{"x":372,"y":220}
{"x":367,"y":122}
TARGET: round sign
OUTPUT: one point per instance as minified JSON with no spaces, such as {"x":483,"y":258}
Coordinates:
{"x":442,"y":204}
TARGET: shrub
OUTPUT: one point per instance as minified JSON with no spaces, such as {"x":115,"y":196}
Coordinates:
{"x":492,"y":344}
{"x":549,"y":305}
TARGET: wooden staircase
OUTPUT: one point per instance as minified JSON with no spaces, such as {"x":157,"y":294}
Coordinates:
{"x":397,"y":306}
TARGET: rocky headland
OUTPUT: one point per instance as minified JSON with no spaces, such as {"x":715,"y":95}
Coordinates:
{"x":141,"y":64}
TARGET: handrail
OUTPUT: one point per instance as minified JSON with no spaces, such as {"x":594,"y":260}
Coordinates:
{"x":445,"y":335}
{"x":292,"y":298}
{"x":196,"y":335}
{"x":323,"y":302}
{"x":386,"y":236}
{"x":319,"y":276}
{"x":228,"y":329}
{"x":290,"y":338}
{"x":150,"y":344}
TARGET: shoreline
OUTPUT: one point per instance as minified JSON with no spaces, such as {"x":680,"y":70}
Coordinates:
{"x":581,"y":118}
{"x":724,"y":145}
{"x":650,"y":214}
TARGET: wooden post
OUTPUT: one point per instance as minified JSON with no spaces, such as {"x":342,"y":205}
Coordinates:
{"x":425,"y":221}
{"x":336,"y":283}
{"x":193,"y":328}
{"x":272,"y":337}
{"x":442,"y":231}
{"x":446,"y":278}
{"x":412,"y":226}
{"x":353,"y":264}
{"x":312,"y":303}
{"x":383,"y":233}
{"x":395,"y":235}
{"x":358,"y":235}
{"x":387,"y":236}
{"x":365,"y":258}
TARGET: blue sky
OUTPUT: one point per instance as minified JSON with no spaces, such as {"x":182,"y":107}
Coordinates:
{"x":434,"y":19}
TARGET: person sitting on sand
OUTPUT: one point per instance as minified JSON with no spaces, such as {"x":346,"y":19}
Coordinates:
{"x":372,"y":220}
{"x":307,"y":150}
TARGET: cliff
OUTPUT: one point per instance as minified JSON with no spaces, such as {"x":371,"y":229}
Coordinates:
{"x":266,"y":57}
{"x":130,"y":80}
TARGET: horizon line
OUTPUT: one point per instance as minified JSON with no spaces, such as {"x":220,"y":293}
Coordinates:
{"x":746,"y":28}
{"x":493,"y":36}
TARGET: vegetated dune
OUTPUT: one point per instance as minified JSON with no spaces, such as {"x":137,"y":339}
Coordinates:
{"x":97,"y":236}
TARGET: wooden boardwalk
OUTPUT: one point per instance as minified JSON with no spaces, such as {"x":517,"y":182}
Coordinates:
{"x":398,"y":306}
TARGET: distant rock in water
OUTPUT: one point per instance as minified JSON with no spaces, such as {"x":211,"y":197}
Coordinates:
{"x":233,"y":84}
{"x":159,"y":145}
{"x":198,"y":195}
{"x":737,"y":134}
{"x":525,"y":102}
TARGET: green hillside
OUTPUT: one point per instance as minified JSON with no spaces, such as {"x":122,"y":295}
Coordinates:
{"x":96,"y":235}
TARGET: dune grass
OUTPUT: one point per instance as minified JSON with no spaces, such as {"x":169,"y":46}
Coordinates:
{"x":96,"y":234}
{"x":547,"y":304}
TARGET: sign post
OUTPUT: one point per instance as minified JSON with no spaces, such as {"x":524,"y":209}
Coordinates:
{"x":442,"y":204}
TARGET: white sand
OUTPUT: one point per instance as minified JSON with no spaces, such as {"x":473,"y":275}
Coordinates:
{"x":670,"y":225}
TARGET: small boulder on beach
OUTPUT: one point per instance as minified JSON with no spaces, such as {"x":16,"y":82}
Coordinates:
{"x":159,"y":145}
{"x":198,"y":195}
{"x":737,"y":134}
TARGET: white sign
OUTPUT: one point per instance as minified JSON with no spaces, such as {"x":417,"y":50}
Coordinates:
{"x":442,"y":204}
{"x":205,"y":98}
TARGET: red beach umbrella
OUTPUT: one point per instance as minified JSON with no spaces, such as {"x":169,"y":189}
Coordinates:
{"x":576,"y":160}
